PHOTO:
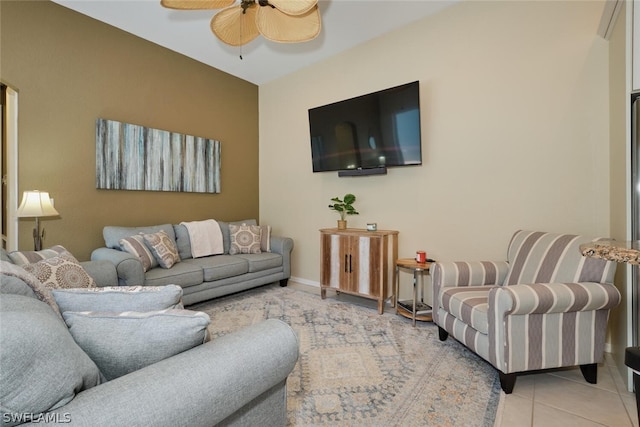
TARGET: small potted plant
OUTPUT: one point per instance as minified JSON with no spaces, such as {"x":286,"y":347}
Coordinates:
{"x":344,"y":207}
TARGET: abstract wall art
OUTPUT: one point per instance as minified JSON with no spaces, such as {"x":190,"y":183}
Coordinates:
{"x":133,"y":157}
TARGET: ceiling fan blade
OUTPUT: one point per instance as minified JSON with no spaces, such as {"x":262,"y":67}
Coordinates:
{"x":294,"y":7}
{"x":196,"y":4}
{"x":234,"y":27}
{"x":280,"y":27}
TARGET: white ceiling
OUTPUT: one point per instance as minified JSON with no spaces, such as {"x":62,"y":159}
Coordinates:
{"x":345,"y":23}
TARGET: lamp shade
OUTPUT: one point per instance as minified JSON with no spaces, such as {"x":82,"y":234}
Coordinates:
{"x":36,"y":204}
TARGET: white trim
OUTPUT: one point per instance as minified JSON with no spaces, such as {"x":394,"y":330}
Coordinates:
{"x":608,"y":20}
{"x":12,"y":169}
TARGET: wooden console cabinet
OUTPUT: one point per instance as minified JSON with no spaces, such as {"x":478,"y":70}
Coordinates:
{"x":359,"y":262}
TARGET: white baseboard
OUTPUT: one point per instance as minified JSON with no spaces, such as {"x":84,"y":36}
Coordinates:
{"x":304,"y":281}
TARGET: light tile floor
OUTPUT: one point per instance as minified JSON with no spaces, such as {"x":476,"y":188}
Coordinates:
{"x":563,"y":398}
{"x":554,"y":398}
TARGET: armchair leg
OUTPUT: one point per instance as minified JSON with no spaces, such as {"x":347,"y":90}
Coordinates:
{"x":283,"y":282}
{"x":507,"y":381}
{"x":590,"y":372}
{"x":442,"y":334}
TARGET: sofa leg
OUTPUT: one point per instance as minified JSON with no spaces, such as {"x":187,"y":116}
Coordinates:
{"x":590,"y":372}
{"x":284,"y":282}
{"x":442,"y":334}
{"x":507,"y":381}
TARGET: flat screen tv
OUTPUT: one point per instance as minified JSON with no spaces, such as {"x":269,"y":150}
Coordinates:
{"x":369,"y":132}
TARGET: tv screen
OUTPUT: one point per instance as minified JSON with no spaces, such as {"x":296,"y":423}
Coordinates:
{"x":380,"y":129}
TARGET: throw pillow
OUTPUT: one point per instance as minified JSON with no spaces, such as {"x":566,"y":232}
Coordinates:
{"x":265,"y":240}
{"x":135,"y":246}
{"x":29,"y":257}
{"x":120,"y":343}
{"x":245,"y":239}
{"x":41,"y":292}
{"x":119,"y":298}
{"x":63,"y":271}
{"x":163,"y":248}
{"x":43,"y":368}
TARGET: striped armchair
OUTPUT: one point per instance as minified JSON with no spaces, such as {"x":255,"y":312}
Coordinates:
{"x":546,"y":307}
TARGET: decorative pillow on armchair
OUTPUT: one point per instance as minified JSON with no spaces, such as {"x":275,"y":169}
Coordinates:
{"x":120,"y":343}
{"x":119,"y":298}
{"x":245,"y":239}
{"x":164,"y":249}
{"x":62,"y":271}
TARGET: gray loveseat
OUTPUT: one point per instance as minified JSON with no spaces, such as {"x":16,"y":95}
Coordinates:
{"x":201,"y":278}
{"x":47,"y":378}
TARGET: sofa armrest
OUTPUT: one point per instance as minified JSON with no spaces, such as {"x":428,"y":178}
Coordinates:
{"x":103,"y":272}
{"x":128,"y":266}
{"x":283,"y":246}
{"x":544,"y":298}
{"x":199,"y":387}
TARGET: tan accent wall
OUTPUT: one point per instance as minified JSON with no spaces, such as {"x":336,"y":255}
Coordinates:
{"x":69,"y":70}
{"x":515,"y":135}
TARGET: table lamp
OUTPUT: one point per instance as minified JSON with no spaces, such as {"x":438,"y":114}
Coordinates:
{"x":36,"y":204}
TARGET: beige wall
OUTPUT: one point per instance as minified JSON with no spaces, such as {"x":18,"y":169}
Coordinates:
{"x":515,"y":134}
{"x":69,"y":70}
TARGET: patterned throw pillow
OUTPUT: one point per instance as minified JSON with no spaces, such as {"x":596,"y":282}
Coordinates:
{"x":29,"y":257}
{"x":62,"y":271}
{"x":245,"y":239}
{"x":135,"y":246}
{"x":163,"y":248}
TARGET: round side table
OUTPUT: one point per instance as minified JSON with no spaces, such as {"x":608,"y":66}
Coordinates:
{"x":414,"y":309}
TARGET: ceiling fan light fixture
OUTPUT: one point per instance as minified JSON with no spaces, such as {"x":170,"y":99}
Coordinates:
{"x":280,"y":27}
{"x":196,"y":4}
{"x":236,"y":25}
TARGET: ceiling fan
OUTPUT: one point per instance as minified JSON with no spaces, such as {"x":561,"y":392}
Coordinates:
{"x":283,"y":21}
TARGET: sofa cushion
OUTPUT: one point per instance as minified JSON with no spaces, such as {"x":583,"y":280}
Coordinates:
{"x":43,"y":367}
{"x":113,"y":234}
{"x":245,"y":239}
{"x":262,"y":261}
{"x":135,"y":245}
{"x":468,"y":304}
{"x":120,"y":343}
{"x":220,"y":266}
{"x":182,"y":274}
{"x":163,"y":248}
{"x":119,"y":298}
{"x":63,"y":271}
{"x":29,"y":257}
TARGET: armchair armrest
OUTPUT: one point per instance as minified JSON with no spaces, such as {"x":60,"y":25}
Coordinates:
{"x":199,"y":387}
{"x":477,"y":273}
{"x":128,"y":266}
{"x":544,"y":298}
{"x":454,"y":274}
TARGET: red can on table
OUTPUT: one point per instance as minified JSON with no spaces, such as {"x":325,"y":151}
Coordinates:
{"x":421,"y":256}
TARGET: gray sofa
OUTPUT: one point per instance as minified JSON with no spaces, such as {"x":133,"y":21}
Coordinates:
{"x":201,"y":278}
{"x":47,"y":378}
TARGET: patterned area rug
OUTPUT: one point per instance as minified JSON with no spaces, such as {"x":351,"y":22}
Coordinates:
{"x":359,"y":368}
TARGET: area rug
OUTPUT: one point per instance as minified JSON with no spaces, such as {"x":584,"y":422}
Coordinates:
{"x":360,"y":368}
